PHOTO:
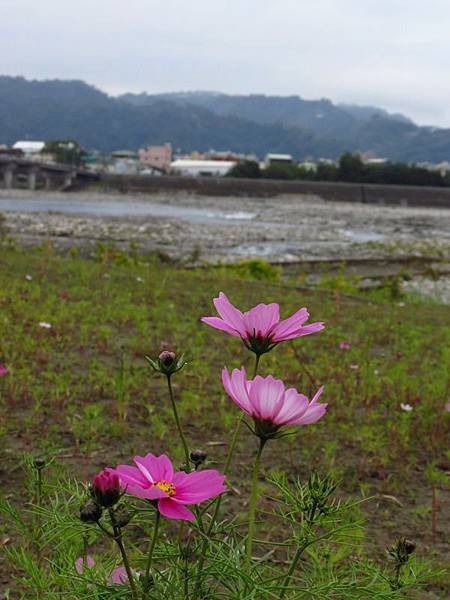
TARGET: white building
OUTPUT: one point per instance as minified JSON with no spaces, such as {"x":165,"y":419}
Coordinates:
{"x":28,"y":147}
{"x":277,"y":159}
{"x":201,"y":168}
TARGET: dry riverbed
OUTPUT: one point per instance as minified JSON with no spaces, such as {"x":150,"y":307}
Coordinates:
{"x":283,"y":229}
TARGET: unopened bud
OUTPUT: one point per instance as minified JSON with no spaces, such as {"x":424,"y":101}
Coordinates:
{"x":409,"y":546}
{"x":39,"y":463}
{"x":106,"y":488}
{"x":123,"y":517}
{"x":90,"y":512}
{"x":167,"y":362}
{"x":198,"y":457}
{"x":167,"y":358}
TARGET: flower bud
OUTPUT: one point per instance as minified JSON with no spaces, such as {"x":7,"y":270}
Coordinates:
{"x":90,"y":512}
{"x":198,"y":457}
{"x":106,"y":488}
{"x":123,"y":517}
{"x":409,"y":546}
{"x":167,"y":362}
{"x":166,"y":358}
{"x":39,"y":463}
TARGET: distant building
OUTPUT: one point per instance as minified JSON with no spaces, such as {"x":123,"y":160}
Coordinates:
{"x":277,"y":159}
{"x":29,"y":148}
{"x":202,"y":168}
{"x":443,"y":168}
{"x":375,"y":161}
{"x":124,"y":162}
{"x":158,"y":157}
{"x":308,"y":165}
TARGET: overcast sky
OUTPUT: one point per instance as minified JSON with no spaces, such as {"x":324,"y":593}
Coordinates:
{"x":390,"y":53}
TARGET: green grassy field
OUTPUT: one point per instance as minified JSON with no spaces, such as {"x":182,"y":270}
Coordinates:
{"x":82,"y":392}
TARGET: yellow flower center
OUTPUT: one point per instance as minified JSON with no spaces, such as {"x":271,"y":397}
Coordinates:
{"x":169,"y":488}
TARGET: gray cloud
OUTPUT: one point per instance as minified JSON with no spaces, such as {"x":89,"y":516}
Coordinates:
{"x":394,"y":54}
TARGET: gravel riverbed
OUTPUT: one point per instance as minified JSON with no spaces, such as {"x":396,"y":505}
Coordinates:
{"x":284,"y":229}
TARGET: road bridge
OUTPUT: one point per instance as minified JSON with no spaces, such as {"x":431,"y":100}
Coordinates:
{"x":21,"y":172}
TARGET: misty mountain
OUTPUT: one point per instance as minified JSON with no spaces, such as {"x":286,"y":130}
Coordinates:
{"x":257,"y":124}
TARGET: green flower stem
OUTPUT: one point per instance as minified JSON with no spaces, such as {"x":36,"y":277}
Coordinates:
{"x":255,"y":370}
{"x":118,"y":539}
{"x":253,"y":502}
{"x":230,"y":454}
{"x":177,"y":421}
{"x":150,"y":554}
{"x":294,"y":563}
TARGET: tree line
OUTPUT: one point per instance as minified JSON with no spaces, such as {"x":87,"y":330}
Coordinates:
{"x":350,"y":169}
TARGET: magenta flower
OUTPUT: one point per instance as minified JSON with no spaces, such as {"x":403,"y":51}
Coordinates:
{"x":155,"y":479}
{"x":344,"y":346}
{"x":118,"y":576}
{"x":79,"y":563}
{"x":270,"y":404}
{"x":260,"y":327}
{"x":3,"y":370}
{"x":106,"y":488}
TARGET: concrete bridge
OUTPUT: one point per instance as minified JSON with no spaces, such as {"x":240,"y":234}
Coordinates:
{"x":19,"y":172}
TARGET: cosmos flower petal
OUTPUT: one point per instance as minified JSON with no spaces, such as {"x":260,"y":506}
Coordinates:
{"x":174,"y":510}
{"x":200,"y":486}
{"x":220,"y":324}
{"x":294,"y":406}
{"x":229,"y":313}
{"x":260,"y":319}
{"x":159,"y":468}
{"x":281,"y":335}
{"x":292,"y":323}
{"x":266,"y":396}
{"x":129,"y":475}
{"x":236,"y":388}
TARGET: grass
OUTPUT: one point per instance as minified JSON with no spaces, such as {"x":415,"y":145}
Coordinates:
{"x":81,"y":391}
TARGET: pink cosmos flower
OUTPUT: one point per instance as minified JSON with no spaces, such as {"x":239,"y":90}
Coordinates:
{"x":118,"y":576}
{"x":3,"y":370}
{"x":260,"y":328}
{"x":269,"y":403}
{"x":344,"y":346}
{"x":155,"y":479}
{"x":79,"y":563}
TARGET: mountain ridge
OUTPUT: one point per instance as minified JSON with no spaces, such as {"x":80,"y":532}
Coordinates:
{"x":255,"y":123}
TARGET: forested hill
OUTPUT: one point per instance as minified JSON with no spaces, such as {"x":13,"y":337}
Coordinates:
{"x":199,"y":121}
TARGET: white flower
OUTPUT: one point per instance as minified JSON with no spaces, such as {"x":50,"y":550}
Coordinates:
{"x":355,"y":367}
{"x":139,"y":279}
{"x":45,"y":325}
{"x":406,"y":407}
{"x":28,"y":278}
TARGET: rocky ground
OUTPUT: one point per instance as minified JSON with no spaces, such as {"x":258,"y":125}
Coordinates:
{"x":285,"y":229}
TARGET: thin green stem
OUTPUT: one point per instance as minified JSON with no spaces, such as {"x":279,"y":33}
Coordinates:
{"x":177,"y":421}
{"x":39,"y":516}
{"x":291,"y":570}
{"x":253,"y":502}
{"x":255,"y":370}
{"x":150,"y":553}
{"x":118,"y":539}
{"x":230,"y":454}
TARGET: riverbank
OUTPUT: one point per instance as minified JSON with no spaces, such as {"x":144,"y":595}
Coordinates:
{"x":211,"y":230}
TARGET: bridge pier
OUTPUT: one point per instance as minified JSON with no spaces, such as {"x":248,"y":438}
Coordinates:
{"x":68,"y":177}
{"x":8,"y":177}
{"x":32,"y":178}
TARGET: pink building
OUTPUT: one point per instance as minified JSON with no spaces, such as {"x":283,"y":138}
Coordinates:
{"x":159,"y":157}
